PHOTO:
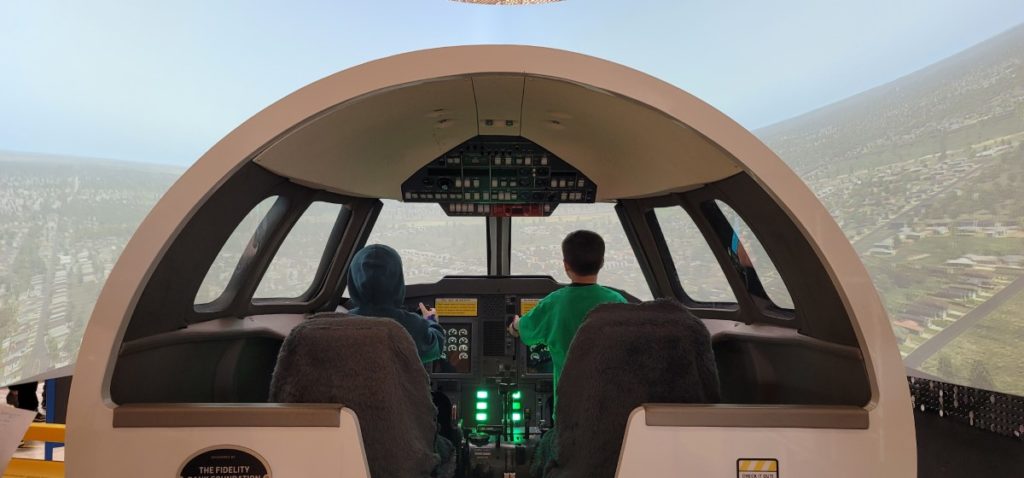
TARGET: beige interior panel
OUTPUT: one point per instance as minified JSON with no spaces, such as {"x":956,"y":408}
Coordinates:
{"x":344,"y":150}
{"x":499,"y":102}
{"x":628,"y":149}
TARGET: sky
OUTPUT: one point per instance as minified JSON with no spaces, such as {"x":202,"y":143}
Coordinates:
{"x":163,"y":81}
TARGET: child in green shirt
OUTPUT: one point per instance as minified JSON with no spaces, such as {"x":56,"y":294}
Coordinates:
{"x":555,"y":319}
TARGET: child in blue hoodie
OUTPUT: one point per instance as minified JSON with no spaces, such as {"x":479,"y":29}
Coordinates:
{"x":377,"y":285}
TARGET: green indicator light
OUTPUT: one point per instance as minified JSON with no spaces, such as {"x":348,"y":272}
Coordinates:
{"x":517,"y":395}
{"x":481,"y":394}
{"x":517,"y":405}
{"x":481,"y":417}
{"x":516,"y":416}
{"x":481,"y":405}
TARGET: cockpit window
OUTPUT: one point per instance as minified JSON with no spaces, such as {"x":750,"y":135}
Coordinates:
{"x":431,"y":243}
{"x":219,"y":274}
{"x":295,"y":265}
{"x":746,"y":247}
{"x":699,"y":272}
{"x":537,"y":245}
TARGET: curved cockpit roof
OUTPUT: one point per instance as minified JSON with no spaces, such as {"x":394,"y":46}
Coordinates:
{"x":598,"y":131}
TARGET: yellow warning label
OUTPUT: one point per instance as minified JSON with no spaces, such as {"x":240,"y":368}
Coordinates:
{"x":757,"y":468}
{"x":455,"y":307}
{"x":526,"y":305}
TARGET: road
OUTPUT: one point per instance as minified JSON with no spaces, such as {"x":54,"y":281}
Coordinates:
{"x":884,"y":231}
{"x":927,"y":349}
{"x":39,"y":360}
{"x":41,"y":357}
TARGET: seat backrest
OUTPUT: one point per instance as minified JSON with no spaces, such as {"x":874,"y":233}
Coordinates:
{"x":625,"y":355}
{"x":370,"y":366}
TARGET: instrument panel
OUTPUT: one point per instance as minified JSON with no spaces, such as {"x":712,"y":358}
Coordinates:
{"x":487,"y":374}
{"x":501,"y":392}
{"x":476,"y":335}
{"x":502,"y":397}
{"x":499,"y":176}
{"x":455,"y":353}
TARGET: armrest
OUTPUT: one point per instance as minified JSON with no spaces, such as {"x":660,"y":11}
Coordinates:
{"x":756,"y":416}
{"x":179,"y":415}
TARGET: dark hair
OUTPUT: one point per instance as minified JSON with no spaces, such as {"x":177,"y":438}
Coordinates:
{"x":583,"y":251}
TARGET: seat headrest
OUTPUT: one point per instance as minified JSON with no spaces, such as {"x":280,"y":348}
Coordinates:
{"x":369,"y":365}
{"x":625,"y":355}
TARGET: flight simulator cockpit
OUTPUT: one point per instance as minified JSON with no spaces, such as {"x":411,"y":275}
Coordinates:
{"x":473,"y":162}
{"x":498,"y":391}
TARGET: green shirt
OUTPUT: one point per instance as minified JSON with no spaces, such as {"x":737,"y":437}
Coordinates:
{"x":553,"y":322}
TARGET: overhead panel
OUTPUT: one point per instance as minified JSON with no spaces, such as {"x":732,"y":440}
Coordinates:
{"x":366,"y":146}
{"x":499,"y":102}
{"x":498,"y":176}
{"x":627,"y":148}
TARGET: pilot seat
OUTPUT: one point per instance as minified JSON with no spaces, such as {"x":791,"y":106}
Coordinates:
{"x":370,"y":366}
{"x":623,"y":356}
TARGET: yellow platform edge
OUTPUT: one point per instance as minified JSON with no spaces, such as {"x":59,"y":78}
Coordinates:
{"x":26,"y":468}
{"x":22,"y":468}
{"x":48,"y":432}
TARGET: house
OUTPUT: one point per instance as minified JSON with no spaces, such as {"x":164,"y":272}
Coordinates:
{"x":912,"y":236}
{"x":884,"y":248}
{"x":971,"y":291}
{"x":952,"y":294}
{"x":909,"y":325}
{"x":983,"y":260}
{"x":996,"y":231}
{"x":978,"y":275}
{"x":961,"y":263}
{"x":927,"y":310}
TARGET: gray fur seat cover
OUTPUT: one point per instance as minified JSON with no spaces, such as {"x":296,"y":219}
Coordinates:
{"x":625,"y":355}
{"x":370,"y":365}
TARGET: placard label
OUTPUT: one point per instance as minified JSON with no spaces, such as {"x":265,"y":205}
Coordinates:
{"x":526,"y":305}
{"x":456,"y":307}
{"x":225,"y":461}
{"x":757,"y":468}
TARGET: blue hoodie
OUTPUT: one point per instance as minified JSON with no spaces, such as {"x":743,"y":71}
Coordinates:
{"x":377,"y":285}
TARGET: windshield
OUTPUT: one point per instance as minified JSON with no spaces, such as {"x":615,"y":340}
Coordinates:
{"x":537,"y":246}
{"x":431,"y":243}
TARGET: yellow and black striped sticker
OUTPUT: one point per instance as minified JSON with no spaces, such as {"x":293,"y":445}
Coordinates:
{"x":757,"y":468}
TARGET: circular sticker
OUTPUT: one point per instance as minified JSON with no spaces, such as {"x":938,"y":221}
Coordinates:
{"x":225,"y":461}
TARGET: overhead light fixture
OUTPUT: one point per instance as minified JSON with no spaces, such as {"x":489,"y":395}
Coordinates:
{"x":507,"y":2}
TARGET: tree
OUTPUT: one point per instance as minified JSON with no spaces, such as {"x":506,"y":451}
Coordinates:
{"x":945,"y":369}
{"x":980,"y":378}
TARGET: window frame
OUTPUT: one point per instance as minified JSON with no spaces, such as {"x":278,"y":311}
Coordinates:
{"x":657,"y":259}
{"x":670,"y":264}
{"x":762,"y":292}
{"x":264,"y":235}
{"x":324,"y":292}
{"x":293,"y":201}
{"x":747,"y":277}
{"x":330,"y":248}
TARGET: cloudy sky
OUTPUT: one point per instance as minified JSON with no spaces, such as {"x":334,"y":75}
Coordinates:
{"x":163,"y":81}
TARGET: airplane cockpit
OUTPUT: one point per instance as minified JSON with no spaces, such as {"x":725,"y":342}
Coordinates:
{"x":473,"y":163}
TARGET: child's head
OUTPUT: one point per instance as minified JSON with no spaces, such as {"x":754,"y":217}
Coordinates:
{"x":583,"y":253}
